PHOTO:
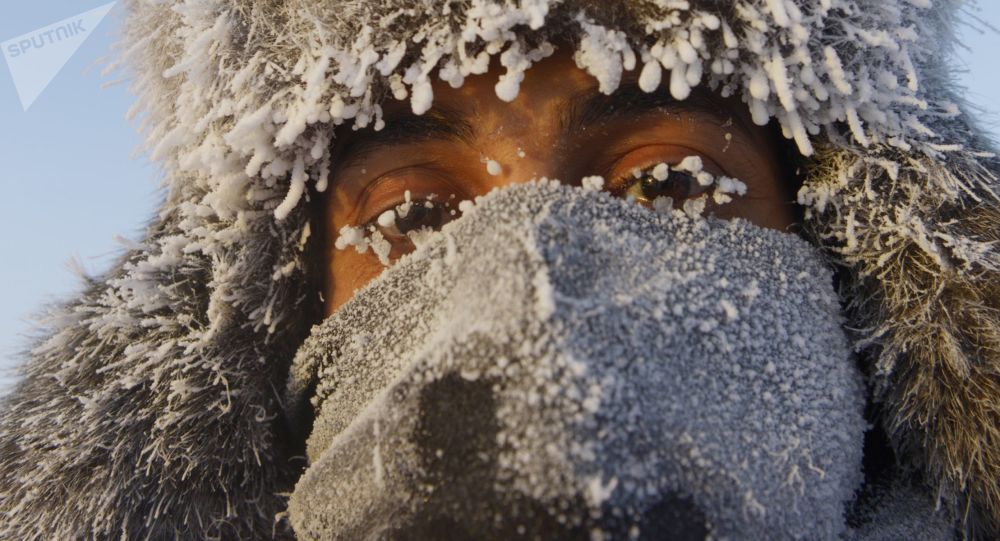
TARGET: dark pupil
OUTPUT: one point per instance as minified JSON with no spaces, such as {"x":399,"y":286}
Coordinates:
{"x":420,"y":216}
{"x":678,"y":185}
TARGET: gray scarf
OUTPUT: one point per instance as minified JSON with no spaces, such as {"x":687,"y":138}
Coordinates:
{"x":560,"y":363}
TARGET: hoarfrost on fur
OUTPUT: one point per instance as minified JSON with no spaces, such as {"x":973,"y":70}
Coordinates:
{"x":778,"y":57}
{"x":652,"y":74}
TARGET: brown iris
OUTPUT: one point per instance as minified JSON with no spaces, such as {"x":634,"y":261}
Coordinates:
{"x":678,"y":185}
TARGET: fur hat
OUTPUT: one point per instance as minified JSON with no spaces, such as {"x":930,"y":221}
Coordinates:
{"x":153,"y":401}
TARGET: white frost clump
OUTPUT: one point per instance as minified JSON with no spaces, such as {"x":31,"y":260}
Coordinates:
{"x":691,"y":164}
{"x":661,"y":172}
{"x":604,"y":53}
{"x":466,"y":206}
{"x":599,"y":491}
{"x":381,"y":247}
{"x":493,"y":167}
{"x":517,"y":62}
{"x":725,"y":187}
{"x":422,"y":96}
{"x":695,"y":166}
{"x":695,"y":207}
{"x":362,"y":240}
{"x":593,"y":183}
{"x":663,"y":205}
{"x":352,"y":236}
{"x":652,"y":74}
{"x":730,"y":310}
{"x":403,"y":210}
{"x":387,"y":218}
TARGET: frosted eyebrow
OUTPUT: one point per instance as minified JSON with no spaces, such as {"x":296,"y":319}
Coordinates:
{"x":592,"y":108}
{"x":440,"y":123}
{"x":584,"y":110}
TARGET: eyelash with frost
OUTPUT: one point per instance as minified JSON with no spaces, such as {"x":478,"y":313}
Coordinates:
{"x":368,"y":236}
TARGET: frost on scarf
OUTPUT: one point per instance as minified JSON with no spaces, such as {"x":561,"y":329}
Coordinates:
{"x":624,"y":358}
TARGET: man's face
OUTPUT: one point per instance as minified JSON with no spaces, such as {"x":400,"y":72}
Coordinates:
{"x":559,"y":126}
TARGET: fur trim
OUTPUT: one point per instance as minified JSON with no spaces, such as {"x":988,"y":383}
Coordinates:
{"x":151,"y":404}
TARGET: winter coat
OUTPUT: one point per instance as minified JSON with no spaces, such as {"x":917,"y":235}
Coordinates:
{"x":151,"y":408}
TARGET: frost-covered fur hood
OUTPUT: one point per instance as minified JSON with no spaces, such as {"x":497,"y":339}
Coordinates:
{"x":151,"y":408}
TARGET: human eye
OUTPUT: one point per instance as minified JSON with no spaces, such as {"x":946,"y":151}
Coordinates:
{"x":398,"y":223}
{"x":645,"y":185}
{"x":666,"y":178}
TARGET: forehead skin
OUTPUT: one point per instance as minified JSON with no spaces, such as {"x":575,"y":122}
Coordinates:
{"x":559,"y":126}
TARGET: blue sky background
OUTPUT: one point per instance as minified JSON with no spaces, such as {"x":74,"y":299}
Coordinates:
{"x":72,"y":177}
